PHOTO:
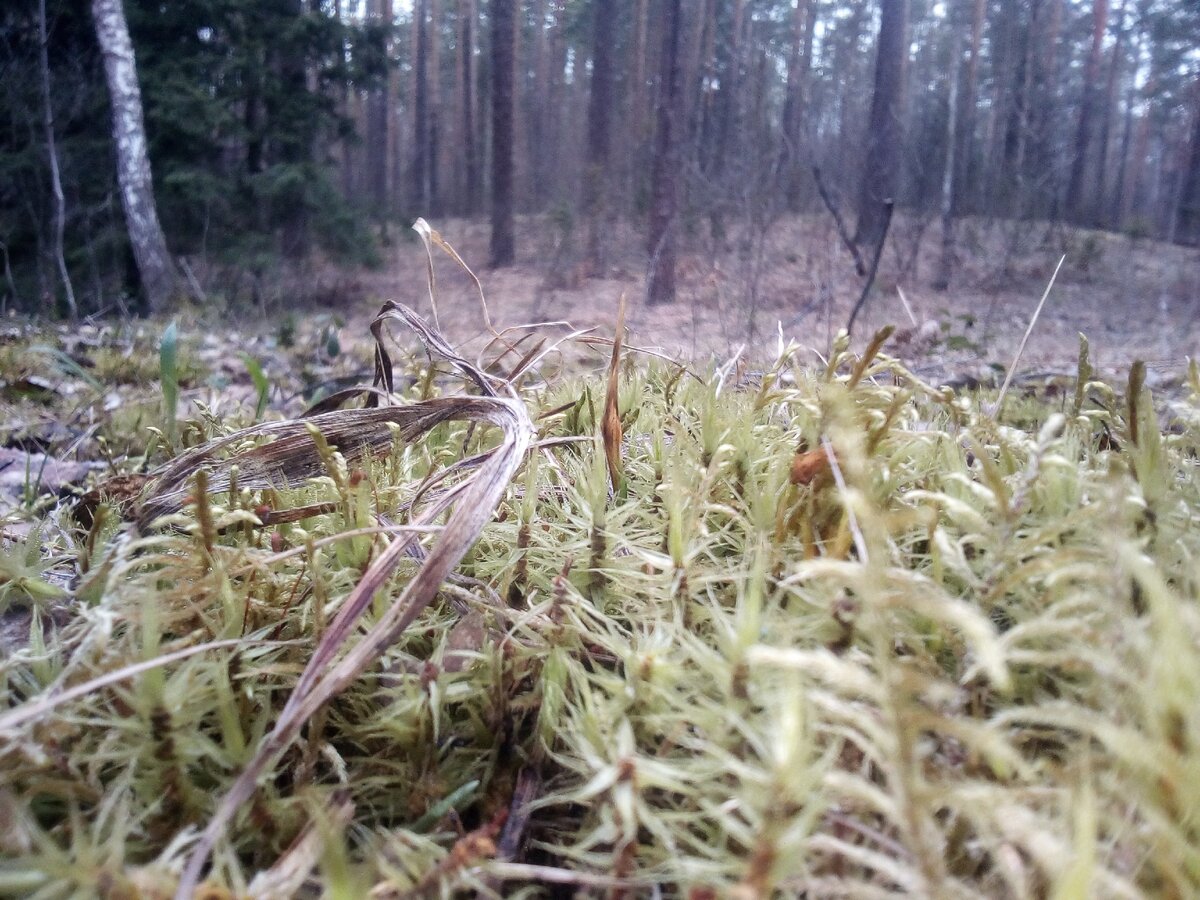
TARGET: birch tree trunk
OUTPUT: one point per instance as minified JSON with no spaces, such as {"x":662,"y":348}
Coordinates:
{"x":133,"y":163}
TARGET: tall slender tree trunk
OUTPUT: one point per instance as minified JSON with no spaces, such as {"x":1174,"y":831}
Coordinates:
{"x":1077,"y":208}
{"x":60,"y":204}
{"x":600,"y":102}
{"x":964,"y":178}
{"x":296,"y":145}
{"x":503,"y":244}
{"x":796,"y":101}
{"x":379,"y":124}
{"x":946,"y":262}
{"x":1187,"y":217}
{"x":660,"y":281}
{"x":154,"y":264}
{"x":470,"y":141}
{"x":1100,"y":191}
{"x":419,"y":186}
{"x":433,"y":76}
{"x":881,"y":171}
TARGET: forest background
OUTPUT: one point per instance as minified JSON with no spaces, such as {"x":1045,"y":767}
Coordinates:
{"x":289,"y":139}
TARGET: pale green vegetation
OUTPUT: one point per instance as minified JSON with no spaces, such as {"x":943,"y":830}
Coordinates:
{"x":963,"y":661}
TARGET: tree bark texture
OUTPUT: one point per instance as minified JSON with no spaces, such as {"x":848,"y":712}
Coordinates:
{"x":966,"y":114}
{"x":600,"y":103}
{"x":1077,"y":209}
{"x":503,"y":244}
{"x":660,"y":281}
{"x":1187,"y":227}
{"x":154,"y":264}
{"x":881,"y":170}
{"x":946,"y":261}
{"x":419,"y":187}
{"x":470,"y":145}
{"x":379,"y":122}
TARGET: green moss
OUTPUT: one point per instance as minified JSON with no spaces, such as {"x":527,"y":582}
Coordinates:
{"x":965,"y":663}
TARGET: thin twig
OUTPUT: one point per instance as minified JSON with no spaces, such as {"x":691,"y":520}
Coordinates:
{"x":888,"y":207}
{"x":1025,"y":340}
{"x":842,"y":230}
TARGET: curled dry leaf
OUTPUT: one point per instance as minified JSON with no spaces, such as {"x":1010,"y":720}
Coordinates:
{"x":610,"y":423}
{"x":809,"y":466}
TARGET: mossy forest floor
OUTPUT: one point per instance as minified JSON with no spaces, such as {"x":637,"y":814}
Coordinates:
{"x":804,"y":632}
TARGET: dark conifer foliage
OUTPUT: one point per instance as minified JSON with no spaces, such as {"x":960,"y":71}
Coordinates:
{"x":284,"y":131}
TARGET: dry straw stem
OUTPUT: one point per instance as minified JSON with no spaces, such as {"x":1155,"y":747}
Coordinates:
{"x":610,"y":424}
{"x":294,"y":455}
{"x":1008,"y":376}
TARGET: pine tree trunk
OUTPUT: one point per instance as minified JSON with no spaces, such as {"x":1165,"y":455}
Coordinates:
{"x":796,"y":101}
{"x":1077,"y":209}
{"x":378,"y":125}
{"x":1187,"y":218}
{"x":470,"y":144}
{"x":660,"y":281}
{"x":966,"y":114}
{"x":600,"y":102}
{"x":296,"y":146}
{"x":503,"y":244}
{"x":881,"y":171}
{"x":946,"y":262}
{"x":1110,"y":104}
{"x":419,"y":184}
{"x":433,"y":77}
{"x":154,"y":264}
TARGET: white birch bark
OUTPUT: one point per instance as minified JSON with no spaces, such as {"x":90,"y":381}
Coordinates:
{"x":133,"y":163}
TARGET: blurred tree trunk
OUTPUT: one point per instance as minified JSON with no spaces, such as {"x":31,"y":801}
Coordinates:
{"x":295,"y":140}
{"x":1077,"y":208}
{"x":503,"y":244}
{"x":433,"y":76}
{"x":60,"y":212}
{"x":1045,"y":158}
{"x":470,"y":143}
{"x":964,"y":179}
{"x":1119,"y":209}
{"x":1100,"y":191}
{"x":796,"y":101}
{"x":419,"y":186}
{"x":595,"y":205}
{"x":884,"y":131}
{"x":133,"y":163}
{"x":539,"y":149}
{"x":379,"y":124}
{"x":660,"y":280}
{"x":946,"y":262}
{"x":1187,"y":219}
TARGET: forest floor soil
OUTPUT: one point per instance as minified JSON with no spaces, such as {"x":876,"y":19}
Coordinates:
{"x":1133,"y":299}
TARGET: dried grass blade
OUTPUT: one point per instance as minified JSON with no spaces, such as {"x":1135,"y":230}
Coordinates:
{"x":291,"y":455}
{"x":1025,"y":340}
{"x":323,"y":678}
{"x":610,"y":423}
